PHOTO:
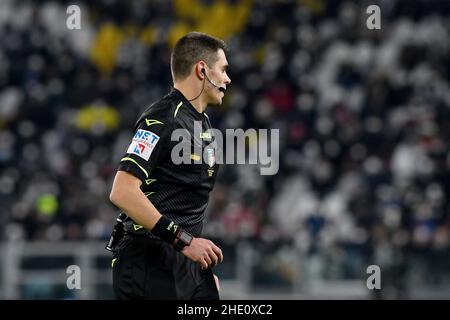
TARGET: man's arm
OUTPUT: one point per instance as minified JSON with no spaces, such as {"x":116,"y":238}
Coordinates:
{"x":127,"y":195}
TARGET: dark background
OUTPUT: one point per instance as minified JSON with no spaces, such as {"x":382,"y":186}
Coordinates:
{"x":364,"y":141}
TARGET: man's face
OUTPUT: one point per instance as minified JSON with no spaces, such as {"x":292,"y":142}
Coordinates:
{"x":218,"y":75}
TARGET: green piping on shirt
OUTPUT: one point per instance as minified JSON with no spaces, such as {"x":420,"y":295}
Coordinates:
{"x":135,"y":162}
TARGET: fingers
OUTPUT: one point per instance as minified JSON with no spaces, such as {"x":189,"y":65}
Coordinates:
{"x":213,"y":257}
{"x":203,"y":264}
{"x":218,"y":252}
{"x":208,"y":259}
{"x":204,"y":252}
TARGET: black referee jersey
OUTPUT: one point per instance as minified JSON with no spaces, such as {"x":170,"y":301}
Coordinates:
{"x":178,"y":191}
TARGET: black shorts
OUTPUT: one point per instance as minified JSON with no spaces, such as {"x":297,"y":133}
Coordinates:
{"x":145,"y":268}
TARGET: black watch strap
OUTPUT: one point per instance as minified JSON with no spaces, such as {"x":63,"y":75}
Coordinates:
{"x":182,"y":240}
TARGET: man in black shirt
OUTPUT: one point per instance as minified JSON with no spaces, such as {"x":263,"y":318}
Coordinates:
{"x":161,"y":255}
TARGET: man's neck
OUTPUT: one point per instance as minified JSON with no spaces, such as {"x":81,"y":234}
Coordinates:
{"x":190,"y":92}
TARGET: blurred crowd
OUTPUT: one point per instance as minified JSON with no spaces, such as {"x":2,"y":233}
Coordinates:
{"x":364,"y":118}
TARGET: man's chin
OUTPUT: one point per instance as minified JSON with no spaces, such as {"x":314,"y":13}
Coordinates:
{"x":216,"y":99}
{"x":216,"y":102}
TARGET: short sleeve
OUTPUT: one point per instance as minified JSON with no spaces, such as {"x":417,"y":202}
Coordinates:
{"x":147,"y":147}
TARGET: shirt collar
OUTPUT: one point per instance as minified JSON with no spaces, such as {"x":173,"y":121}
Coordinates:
{"x":179,"y":95}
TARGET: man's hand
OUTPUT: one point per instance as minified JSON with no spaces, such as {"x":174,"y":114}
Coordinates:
{"x":204,"y":252}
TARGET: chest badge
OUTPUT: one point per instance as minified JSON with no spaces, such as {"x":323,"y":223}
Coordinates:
{"x":205,"y":136}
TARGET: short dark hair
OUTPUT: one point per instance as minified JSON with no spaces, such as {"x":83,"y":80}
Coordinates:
{"x":190,"y":49}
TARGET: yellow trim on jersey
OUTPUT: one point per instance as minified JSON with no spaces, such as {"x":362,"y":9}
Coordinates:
{"x":178,"y":107}
{"x":151,"y":122}
{"x":150,"y":181}
{"x":135,"y":162}
{"x":112,"y":262}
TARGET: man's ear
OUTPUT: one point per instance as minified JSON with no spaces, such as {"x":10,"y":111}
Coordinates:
{"x":200,"y":70}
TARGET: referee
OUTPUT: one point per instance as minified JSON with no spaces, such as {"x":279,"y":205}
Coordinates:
{"x":161,"y":254}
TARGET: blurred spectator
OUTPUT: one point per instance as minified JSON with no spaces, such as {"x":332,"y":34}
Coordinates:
{"x":363,"y":116}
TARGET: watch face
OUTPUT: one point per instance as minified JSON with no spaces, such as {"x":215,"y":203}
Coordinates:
{"x":185,"y":237}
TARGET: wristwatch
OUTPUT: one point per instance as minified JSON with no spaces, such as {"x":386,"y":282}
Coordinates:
{"x":182,"y":240}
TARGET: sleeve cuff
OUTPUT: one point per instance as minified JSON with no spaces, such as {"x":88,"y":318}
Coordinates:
{"x":132,"y":166}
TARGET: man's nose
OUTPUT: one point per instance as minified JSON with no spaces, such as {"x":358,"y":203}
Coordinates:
{"x":227,"y":80}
